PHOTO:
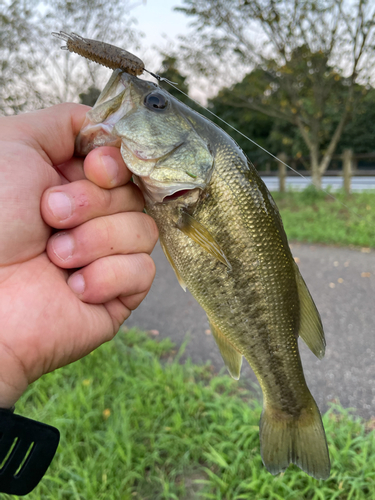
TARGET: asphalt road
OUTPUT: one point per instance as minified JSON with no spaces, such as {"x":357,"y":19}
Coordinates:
{"x":342,"y":282}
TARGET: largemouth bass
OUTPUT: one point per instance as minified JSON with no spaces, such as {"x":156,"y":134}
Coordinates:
{"x":222,"y":234}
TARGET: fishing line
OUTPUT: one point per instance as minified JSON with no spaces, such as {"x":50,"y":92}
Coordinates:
{"x":161,"y":79}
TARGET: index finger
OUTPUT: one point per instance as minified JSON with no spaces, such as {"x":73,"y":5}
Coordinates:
{"x":106,"y":168}
{"x":50,"y":131}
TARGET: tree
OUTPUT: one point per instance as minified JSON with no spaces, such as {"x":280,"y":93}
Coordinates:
{"x":18,"y":29}
{"x":264,"y":130}
{"x":314,"y":52}
{"x":360,"y":131}
{"x":44,"y":74}
{"x":274,"y":131}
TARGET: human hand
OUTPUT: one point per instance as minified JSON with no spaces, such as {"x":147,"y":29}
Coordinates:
{"x":52,"y":314}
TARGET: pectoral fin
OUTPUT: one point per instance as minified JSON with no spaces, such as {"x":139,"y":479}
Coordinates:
{"x":173,"y":265}
{"x":198,"y":233}
{"x":232,"y":358}
{"x":311,"y":328}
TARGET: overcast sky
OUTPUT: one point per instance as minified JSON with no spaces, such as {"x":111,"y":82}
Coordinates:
{"x":161,"y":26}
{"x":157,"y":18}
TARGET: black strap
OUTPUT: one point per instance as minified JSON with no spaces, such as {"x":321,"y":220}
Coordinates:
{"x":27,"y":448}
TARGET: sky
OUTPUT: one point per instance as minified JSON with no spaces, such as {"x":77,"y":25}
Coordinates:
{"x":157,"y":19}
{"x":161,"y":26}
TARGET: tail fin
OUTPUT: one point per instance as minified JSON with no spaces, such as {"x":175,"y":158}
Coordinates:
{"x":301,"y":440}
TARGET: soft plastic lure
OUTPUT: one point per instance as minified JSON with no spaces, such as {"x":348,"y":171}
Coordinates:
{"x":103,"y":53}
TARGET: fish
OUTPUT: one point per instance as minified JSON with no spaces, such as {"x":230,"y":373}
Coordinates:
{"x":222,"y":233}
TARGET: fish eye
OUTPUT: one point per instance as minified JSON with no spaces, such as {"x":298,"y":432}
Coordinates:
{"x":156,"y":101}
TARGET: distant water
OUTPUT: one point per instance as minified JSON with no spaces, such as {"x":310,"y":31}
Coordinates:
{"x":358,"y":184}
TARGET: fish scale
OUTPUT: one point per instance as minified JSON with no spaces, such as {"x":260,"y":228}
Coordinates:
{"x":222,"y":233}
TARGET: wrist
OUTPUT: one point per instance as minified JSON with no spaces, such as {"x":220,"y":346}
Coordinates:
{"x":13,"y":381}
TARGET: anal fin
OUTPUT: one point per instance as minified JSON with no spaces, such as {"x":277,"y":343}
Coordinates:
{"x":310,"y":328}
{"x":232,"y":358}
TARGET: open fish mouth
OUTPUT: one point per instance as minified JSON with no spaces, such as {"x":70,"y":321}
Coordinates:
{"x":99,"y":126}
{"x":175,"y":195}
{"x":159,"y":192}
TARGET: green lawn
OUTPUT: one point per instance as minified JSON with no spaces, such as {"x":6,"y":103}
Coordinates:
{"x":316,"y":217}
{"x":136,"y":424}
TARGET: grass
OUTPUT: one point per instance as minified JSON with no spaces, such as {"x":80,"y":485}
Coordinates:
{"x":135,"y":424}
{"x":315,"y":217}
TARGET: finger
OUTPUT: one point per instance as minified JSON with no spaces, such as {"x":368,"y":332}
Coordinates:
{"x":118,"y":313}
{"x":52,"y":131}
{"x":133,"y":301}
{"x":117,"y":275}
{"x":123,"y":234}
{"x":71,"y":170}
{"x":119,"y":309}
{"x":72,"y":204}
{"x":105,"y":167}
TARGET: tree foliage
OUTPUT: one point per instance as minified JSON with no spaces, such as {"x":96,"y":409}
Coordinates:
{"x":359,"y":133}
{"x":18,"y":25}
{"x":34,"y":71}
{"x":277,"y":134}
{"x":228,"y":105}
{"x":313,"y":53}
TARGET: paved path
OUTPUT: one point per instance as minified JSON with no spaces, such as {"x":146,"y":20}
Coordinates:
{"x":347,"y":308}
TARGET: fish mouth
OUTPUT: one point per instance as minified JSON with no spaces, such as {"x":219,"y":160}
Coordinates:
{"x":99,"y":125}
{"x":158,"y":192}
{"x":175,"y":195}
